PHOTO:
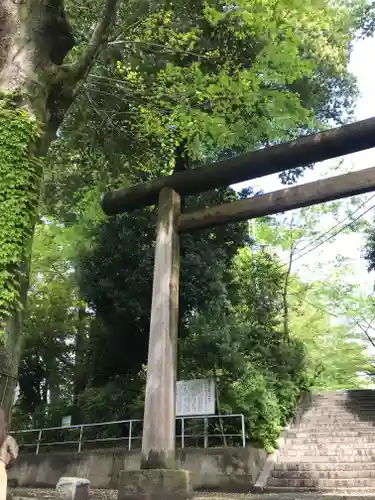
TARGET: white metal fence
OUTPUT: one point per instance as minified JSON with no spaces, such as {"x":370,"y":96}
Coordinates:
{"x":203,"y":432}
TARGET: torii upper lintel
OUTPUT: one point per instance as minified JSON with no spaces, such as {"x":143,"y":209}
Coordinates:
{"x":313,"y":148}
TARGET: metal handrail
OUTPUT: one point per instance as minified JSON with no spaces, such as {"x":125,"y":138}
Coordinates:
{"x":130,"y":436}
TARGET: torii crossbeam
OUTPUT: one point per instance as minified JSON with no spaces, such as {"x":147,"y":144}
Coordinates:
{"x":158,"y":442}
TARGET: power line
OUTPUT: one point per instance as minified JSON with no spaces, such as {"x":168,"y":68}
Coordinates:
{"x":336,"y":225}
{"x":320,"y":308}
{"x":321,"y":242}
{"x":298,"y":255}
{"x":338,"y":316}
{"x":337,"y":232}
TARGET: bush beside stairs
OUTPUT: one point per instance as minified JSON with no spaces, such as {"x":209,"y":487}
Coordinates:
{"x":331,"y":446}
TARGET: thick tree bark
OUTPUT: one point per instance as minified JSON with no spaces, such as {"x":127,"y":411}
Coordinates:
{"x":35,"y":38}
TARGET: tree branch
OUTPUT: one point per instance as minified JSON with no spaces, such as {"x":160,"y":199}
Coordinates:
{"x":101,"y":32}
{"x":367,"y":335}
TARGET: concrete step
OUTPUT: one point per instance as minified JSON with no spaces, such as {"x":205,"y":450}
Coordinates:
{"x":324,"y":474}
{"x":345,"y":414}
{"x":328,"y":493}
{"x":340,"y":400}
{"x":322,"y":483}
{"x":341,"y":397}
{"x":343,"y":393}
{"x":309,"y":457}
{"x":331,"y":448}
{"x":348,"y":417}
{"x":344,"y":417}
{"x":332,"y":440}
{"x":328,"y":430}
{"x":347,"y":396}
{"x":342,"y":435}
{"x":340,"y":412}
{"x":341,"y":403}
{"x":336,"y":401}
{"x":324,"y":466}
{"x":359,"y":406}
{"x":344,"y":401}
{"x":330,"y":425}
{"x":313,"y":455}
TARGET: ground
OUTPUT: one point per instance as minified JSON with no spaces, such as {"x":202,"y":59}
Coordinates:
{"x":27,"y":494}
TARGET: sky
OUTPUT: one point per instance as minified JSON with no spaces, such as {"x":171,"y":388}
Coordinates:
{"x":348,"y":245}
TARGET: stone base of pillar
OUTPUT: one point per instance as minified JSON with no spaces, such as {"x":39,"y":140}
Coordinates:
{"x":155,"y":484}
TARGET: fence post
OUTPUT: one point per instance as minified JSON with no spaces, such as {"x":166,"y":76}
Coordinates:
{"x":205,"y":432}
{"x":38,"y":441}
{"x":130,"y":435}
{"x":80,"y":439}
{"x":243,"y":431}
{"x":182,"y":432}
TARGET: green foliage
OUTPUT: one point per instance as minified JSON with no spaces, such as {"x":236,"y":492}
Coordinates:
{"x":366,"y":19}
{"x":46,"y":371}
{"x":370,"y":250}
{"x":256,"y":395}
{"x":232,"y":304}
{"x":327,"y":313}
{"x":260,"y":371}
{"x":232,"y":78}
{"x":19,"y":193}
{"x":336,"y":351}
{"x":219,"y":80}
{"x":114,"y":400}
{"x":116,"y":280}
{"x":216,"y":80}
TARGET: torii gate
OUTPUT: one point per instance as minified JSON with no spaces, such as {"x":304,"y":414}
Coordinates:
{"x":158,"y":441}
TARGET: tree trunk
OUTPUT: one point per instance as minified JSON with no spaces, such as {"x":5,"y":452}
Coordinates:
{"x":10,"y":353}
{"x":80,"y":362}
{"x":36,"y":90}
{"x":218,"y":409}
{"x":285,"y":291}
{"x":54,"y":387}
{"x":28,"y":123}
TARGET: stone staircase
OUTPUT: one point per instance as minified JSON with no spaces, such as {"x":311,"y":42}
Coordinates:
{"x":331,"y":446}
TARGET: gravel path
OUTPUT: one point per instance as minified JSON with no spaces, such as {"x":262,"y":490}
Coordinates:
{"x":34,"y":494}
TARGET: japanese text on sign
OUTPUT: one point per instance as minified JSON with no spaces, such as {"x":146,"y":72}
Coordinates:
{"x":195,"y":397}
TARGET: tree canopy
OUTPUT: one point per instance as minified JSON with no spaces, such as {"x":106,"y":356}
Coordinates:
{"x":203,"y":81}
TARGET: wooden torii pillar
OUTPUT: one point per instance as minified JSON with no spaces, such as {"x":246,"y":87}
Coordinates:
{"x":158,"y":441}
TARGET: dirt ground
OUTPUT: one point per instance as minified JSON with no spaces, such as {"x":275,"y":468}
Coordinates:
{"x":28,"y":494}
